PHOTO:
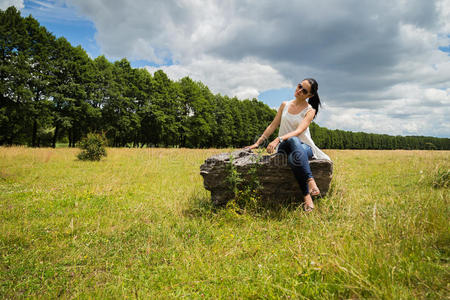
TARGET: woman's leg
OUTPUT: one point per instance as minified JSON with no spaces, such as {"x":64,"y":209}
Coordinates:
{"x":298,"y":155}
{"x":298,"y":159}
{"x":312,"y":186}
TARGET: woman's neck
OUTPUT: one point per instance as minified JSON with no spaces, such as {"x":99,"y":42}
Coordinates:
{"x":300,"y":102}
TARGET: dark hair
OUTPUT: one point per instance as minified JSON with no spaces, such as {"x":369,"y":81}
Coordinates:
{"x":314,"y":100}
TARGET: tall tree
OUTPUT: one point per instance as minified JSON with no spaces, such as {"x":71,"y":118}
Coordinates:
{"x":197,"y":114}
{"x":15,"y":101}
{"x":72,"y":112}
{"x":38,"y":63}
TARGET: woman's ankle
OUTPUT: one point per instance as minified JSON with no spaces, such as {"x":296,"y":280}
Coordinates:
{"x":312,"y":186}
{"x":308,"y":200}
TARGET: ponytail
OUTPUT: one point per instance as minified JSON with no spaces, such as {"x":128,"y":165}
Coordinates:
{"x":314,"y":100}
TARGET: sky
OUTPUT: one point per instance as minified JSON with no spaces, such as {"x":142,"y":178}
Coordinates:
{"x":382,"y":66}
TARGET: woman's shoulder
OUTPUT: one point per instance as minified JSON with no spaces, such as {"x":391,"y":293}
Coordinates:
{"x":285,"y":103}
{"x":308,"y":109}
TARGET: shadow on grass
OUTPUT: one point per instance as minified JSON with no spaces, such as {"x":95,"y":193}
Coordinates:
{"x":200,"y":205}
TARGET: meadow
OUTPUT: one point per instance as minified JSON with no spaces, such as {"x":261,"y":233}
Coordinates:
{"x":139,"y":224}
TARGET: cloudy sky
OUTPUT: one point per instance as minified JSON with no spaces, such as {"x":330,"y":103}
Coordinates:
{"x":382,"y":66}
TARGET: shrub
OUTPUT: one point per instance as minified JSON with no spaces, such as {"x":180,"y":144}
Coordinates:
{"x":93,"y":147}
{"x":245,"y":190}
{"x":441,"y":178}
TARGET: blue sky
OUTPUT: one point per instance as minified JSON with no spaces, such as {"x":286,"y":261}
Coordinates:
{"x":382,"y":67}
{"x":65,"y":22}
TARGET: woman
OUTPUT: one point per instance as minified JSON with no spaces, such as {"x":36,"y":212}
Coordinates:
{"x":294,"y":138}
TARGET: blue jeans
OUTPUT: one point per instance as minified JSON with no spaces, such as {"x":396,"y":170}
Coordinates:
{"x":298,"y":154}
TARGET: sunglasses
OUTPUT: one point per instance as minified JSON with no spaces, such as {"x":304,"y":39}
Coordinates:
{"x":302,"y":89}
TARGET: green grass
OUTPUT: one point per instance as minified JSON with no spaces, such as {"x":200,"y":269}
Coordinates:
{"x":139,"y":224}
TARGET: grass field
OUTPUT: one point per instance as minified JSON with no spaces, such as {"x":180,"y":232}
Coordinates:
{"x":139,"y":224}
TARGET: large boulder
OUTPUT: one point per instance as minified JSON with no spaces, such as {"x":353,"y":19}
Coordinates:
{"x":275,"y":175}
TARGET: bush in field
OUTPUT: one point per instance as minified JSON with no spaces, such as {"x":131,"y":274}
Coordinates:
{"x":246,"y":191}
{"x":441,"y":178}
{"x":92,"y":147}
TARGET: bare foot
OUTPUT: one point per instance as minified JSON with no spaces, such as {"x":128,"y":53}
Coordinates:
{"x":308,"y":204}
{"x":313,"y":189}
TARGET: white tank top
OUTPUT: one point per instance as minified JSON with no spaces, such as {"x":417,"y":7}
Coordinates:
{"x":290,"y":122}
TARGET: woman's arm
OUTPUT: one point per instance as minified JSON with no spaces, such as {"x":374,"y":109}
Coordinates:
{"x":302,"y":126}
{"x":271,"y":128}
{"x":275,"y":123}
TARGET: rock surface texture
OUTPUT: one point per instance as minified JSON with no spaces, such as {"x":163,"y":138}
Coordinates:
{"x":275,"y":175}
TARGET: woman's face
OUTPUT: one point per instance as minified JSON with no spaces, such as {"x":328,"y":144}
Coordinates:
{"x":303,"y":90}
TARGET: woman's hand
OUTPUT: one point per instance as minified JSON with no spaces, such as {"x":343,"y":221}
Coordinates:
{"x":272,"y":145}
{"x":255,"y":145}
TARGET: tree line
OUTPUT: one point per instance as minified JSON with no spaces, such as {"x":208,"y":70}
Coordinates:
{"x":340,"y":139}
{"x":53,"y":92}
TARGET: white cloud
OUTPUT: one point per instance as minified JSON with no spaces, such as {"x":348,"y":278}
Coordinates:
{"x":408,"y":110}
{"x":443,"y":6}
{"x":4,"y":4}
{"x":244,"y":79}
